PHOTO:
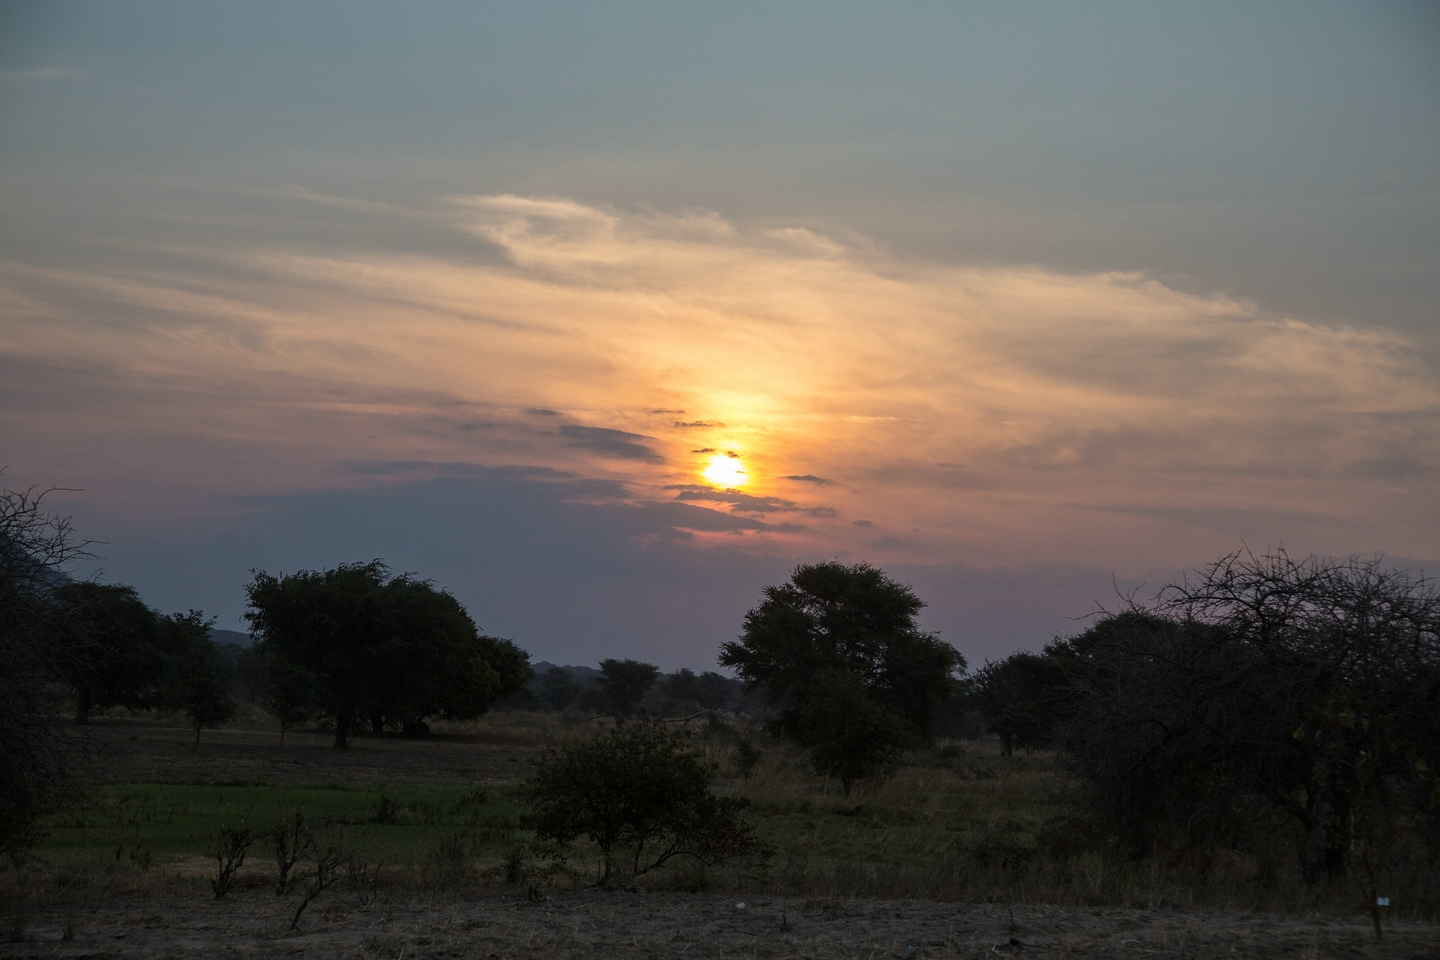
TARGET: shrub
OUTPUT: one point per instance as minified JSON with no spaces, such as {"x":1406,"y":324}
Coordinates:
{"x":641,"y":796}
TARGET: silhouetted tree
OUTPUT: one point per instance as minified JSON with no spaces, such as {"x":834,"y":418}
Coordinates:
{"x":714,"y":691}
{"x":382,"y":647}
{"x":289,"y":692}
{"x":1253,"y":684}
{"x":35,"y":548}
{"x":1022,"y":699}
{"x":835,"y":632}
{"x":709,"y":690}
{"x":114,"y":650}
{"x":557,"y":689}
{"x":196,"y":685}
{"x":624,"y":684}
{"x":682,"y":686}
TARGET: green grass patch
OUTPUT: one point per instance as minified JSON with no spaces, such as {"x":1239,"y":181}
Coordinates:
{"x":160,"y":822}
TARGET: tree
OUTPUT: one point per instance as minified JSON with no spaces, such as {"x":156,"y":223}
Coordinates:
{"x":381,"y":647}
{"x":708,"y":690}
{"x":641,"y":796}
{"x":289,"y":692}
{"x":36,"y":547}
{"x":116,"y":651}
{"x":196,"y":686}
{"x":1021,"y":698}
{"x":557,"y":689}
{"x":1223,"y":695}
{"x":845,"y":634}
{"x":624,"y":684}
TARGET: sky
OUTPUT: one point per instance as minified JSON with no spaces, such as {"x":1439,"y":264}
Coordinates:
{"x":604,"y":317}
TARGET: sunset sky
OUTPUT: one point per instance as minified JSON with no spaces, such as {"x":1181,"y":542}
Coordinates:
{"x":604,"y":316}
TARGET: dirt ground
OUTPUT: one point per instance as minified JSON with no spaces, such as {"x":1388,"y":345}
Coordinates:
{"x":593,"y":924}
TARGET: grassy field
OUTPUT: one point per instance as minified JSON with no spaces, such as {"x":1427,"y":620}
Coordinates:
{"x":959,"y":822}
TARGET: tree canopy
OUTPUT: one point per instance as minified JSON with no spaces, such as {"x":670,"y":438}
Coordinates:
{"x":113,"y":649}
{"x":845,"y":632}
{"x":624,"y":683}
{"x":390,"y":649}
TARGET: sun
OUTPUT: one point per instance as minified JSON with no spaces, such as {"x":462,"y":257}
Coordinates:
{"x":726,"y":470}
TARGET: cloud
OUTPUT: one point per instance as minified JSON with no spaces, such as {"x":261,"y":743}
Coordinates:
{"x":1009,"y":411}
{"x":611,"y":443}
{"x":740,"y":502}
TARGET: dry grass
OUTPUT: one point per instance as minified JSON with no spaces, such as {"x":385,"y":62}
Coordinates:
{"x":957,"y":823}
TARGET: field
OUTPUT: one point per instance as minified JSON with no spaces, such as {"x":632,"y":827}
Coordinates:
{"x":125,"y":869}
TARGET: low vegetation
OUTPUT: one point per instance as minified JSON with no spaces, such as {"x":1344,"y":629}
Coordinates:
{"x":958,"y":821}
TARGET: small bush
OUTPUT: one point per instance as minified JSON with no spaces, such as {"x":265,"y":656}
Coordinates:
{"x":641,"y":796}
{"x":387,"y":809}
{"x":229,"y":857}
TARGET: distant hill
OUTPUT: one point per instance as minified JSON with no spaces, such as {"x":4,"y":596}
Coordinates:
{"x":230,"y":636}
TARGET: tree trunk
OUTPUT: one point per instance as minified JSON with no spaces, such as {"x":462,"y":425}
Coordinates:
{"x":196,"y":745}
{"x":82,"y":707}
{"x":342,"y":729}
{"x":1324,"y":846}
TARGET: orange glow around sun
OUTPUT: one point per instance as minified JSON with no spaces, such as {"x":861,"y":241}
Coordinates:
{"x":725,"y":470}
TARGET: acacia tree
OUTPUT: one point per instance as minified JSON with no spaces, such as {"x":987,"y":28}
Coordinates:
{"x":388,"y":648}
{"x":624,"y":683}
{"x":845,"y":634}
{"x":1223,"y":694}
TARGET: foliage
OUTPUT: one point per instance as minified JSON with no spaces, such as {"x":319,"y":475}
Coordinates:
{"x":624,"y":684}
{"x":557,"y":689}
{"x":641,"y":796}
{"x":115,"y":650}
{"x":288,"y":692}
{"x":1187,"y":715}
{"x":354,"y":626}
{"x":848,"y":632}
{"x":1022,"y":699}
{"x":708,"y":690}
{"x":196,"y":685}
{"x":35,"y":548}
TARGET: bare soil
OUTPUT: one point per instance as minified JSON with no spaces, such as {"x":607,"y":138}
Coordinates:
{"x":632,"y":924}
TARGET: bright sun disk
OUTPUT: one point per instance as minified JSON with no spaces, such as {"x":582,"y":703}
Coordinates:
{"x":725,"y":471}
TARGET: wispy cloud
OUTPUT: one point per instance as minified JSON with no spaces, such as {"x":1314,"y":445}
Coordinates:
{"x":992,"y":411}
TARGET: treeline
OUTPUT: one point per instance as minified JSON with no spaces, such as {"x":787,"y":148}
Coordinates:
{"x":629,"y":688}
